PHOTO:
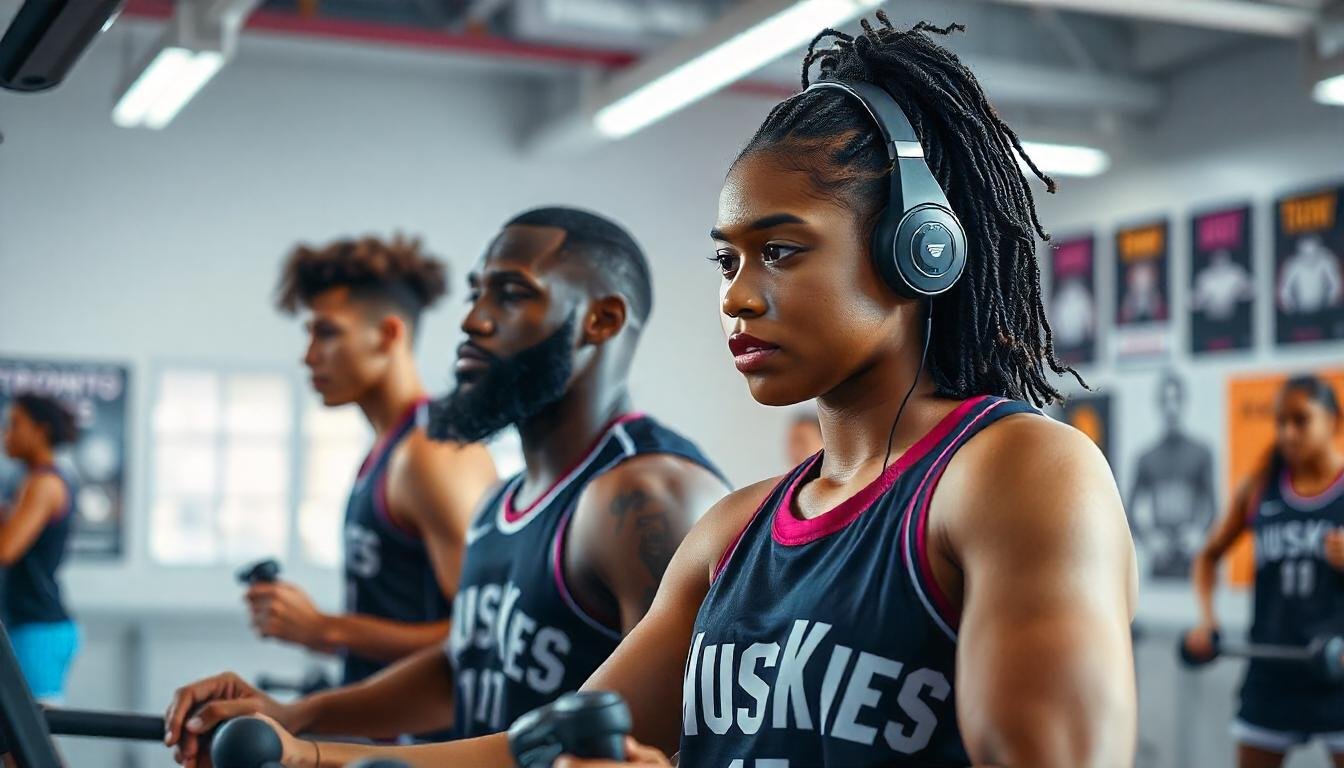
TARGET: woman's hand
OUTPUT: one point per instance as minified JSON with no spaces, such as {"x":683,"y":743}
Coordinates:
{"x":635,"y":754}
{"x":1200,"y":641}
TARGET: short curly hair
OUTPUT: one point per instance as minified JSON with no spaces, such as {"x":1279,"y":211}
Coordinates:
{"x":396,"y":274}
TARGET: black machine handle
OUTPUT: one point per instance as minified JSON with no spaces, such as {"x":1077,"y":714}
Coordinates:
{"x":583,"y":724}
{"x":260,"y":572}
{"x":108,"y":725}
{"x":246,"y":742}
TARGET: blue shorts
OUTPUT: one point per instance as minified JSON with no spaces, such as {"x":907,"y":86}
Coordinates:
{"x":45,"y":652}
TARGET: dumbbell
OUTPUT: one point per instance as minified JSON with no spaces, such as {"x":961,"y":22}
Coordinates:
{"x":583,"y":724}
{"x":1325,"y":653}
{"x":260,"y":572}
{"x":249,"y":742}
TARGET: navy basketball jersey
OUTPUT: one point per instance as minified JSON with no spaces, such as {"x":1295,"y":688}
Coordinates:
{"x":388,"y":572}
{"x":31,"y":593}
{"x":1298,"y":596}
{"x":519,"y":638}
{"x":826,"y":641}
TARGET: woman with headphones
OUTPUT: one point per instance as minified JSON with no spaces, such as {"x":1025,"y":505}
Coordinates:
{"x":951,"y":580}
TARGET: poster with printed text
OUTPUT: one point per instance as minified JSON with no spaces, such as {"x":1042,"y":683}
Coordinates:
{"x":1142,"y":291}
{"x":1073,"y":299}
{"x":1309,"y":267}
{"x":1222,"y":281}
{"x":97,"y":394}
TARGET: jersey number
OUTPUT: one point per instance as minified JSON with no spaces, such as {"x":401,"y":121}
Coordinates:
{"x":1298,"y":577}
{"x":484,"y":694}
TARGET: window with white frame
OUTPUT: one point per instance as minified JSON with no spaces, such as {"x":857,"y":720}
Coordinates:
{"x":222,"y":479}
{"x":335,"y":442}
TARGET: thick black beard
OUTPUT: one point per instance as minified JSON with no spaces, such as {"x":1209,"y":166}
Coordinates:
{"x":511,"y":391}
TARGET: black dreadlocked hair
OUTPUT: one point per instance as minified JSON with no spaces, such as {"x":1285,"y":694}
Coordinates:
{"x":990,"y":332}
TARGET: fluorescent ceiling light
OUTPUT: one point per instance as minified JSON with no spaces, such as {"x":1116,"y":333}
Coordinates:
{"x":1066,"y":159}
{"x":1330,"y":91}
{"x":725,"y":63}
{"x":165,"y":86}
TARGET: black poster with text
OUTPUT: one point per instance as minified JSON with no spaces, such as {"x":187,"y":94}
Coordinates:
{"x":1309,"y":271}
{"x":1142,"y":291}
{"x":1073,"y":299}
{"x":1222,"y":283}
{"x":97,"y":394}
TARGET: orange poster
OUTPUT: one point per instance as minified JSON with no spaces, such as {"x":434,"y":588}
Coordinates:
{"x":1250,"y":433}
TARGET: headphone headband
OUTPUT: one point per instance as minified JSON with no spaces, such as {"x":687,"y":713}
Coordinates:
{"x":918,"y":243}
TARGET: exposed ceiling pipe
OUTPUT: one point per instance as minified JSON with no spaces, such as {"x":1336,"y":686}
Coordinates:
{"x":1245,"y":16}
{"x":369,"y":33}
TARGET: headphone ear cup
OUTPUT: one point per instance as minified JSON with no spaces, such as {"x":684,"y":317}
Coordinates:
{"x":928,"y":251}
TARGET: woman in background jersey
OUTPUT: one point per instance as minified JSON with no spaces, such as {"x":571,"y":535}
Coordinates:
{"x":950,"y":581}
{"x":1295,"y":508}
{"x":33,"y":536}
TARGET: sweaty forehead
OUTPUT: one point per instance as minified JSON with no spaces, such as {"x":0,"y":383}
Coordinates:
{"x":527,"y":248}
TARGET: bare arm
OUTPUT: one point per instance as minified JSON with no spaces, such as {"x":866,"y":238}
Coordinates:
{"x":432,"y":491}
{"x":432,"y":488}
{"x":626,"y":527}
{"x":41,"y":498}
{"x":1204,"y":569}
{"x":415,"y":695}
{"x":283,"y":611}
{"x":1030,"y":516}
{"x":646,"y":669}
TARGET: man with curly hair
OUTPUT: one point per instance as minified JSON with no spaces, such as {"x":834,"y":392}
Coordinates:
{"x":406,"y":521}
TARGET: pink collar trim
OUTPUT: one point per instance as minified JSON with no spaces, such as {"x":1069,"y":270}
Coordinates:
{"x":791,"y":530}
{"x":513,"y":515}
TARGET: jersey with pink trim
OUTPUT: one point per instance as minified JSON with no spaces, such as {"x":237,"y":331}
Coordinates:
{"x":1298,"y":596}
{"x":388,"y":573}
{"x":826,"y":641}
{"x":519,"y":637}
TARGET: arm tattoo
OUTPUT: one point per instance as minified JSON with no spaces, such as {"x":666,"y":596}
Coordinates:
{"x":656,"y":542}
{"x":626,"y":503}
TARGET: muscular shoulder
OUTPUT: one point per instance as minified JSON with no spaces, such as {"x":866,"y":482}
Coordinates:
{"x":1027,"y":473}
{"x":425,"y":475}
{"x":1031,"y":494}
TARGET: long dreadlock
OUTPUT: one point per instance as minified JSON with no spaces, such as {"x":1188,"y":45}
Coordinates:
{"x":990,"y":332}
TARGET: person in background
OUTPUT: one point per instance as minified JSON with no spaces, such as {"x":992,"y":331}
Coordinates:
{"x":1294,"y":506}
{"x":804,"y":437}
{"x":33,"y":537}
{"x":406,"y":520}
